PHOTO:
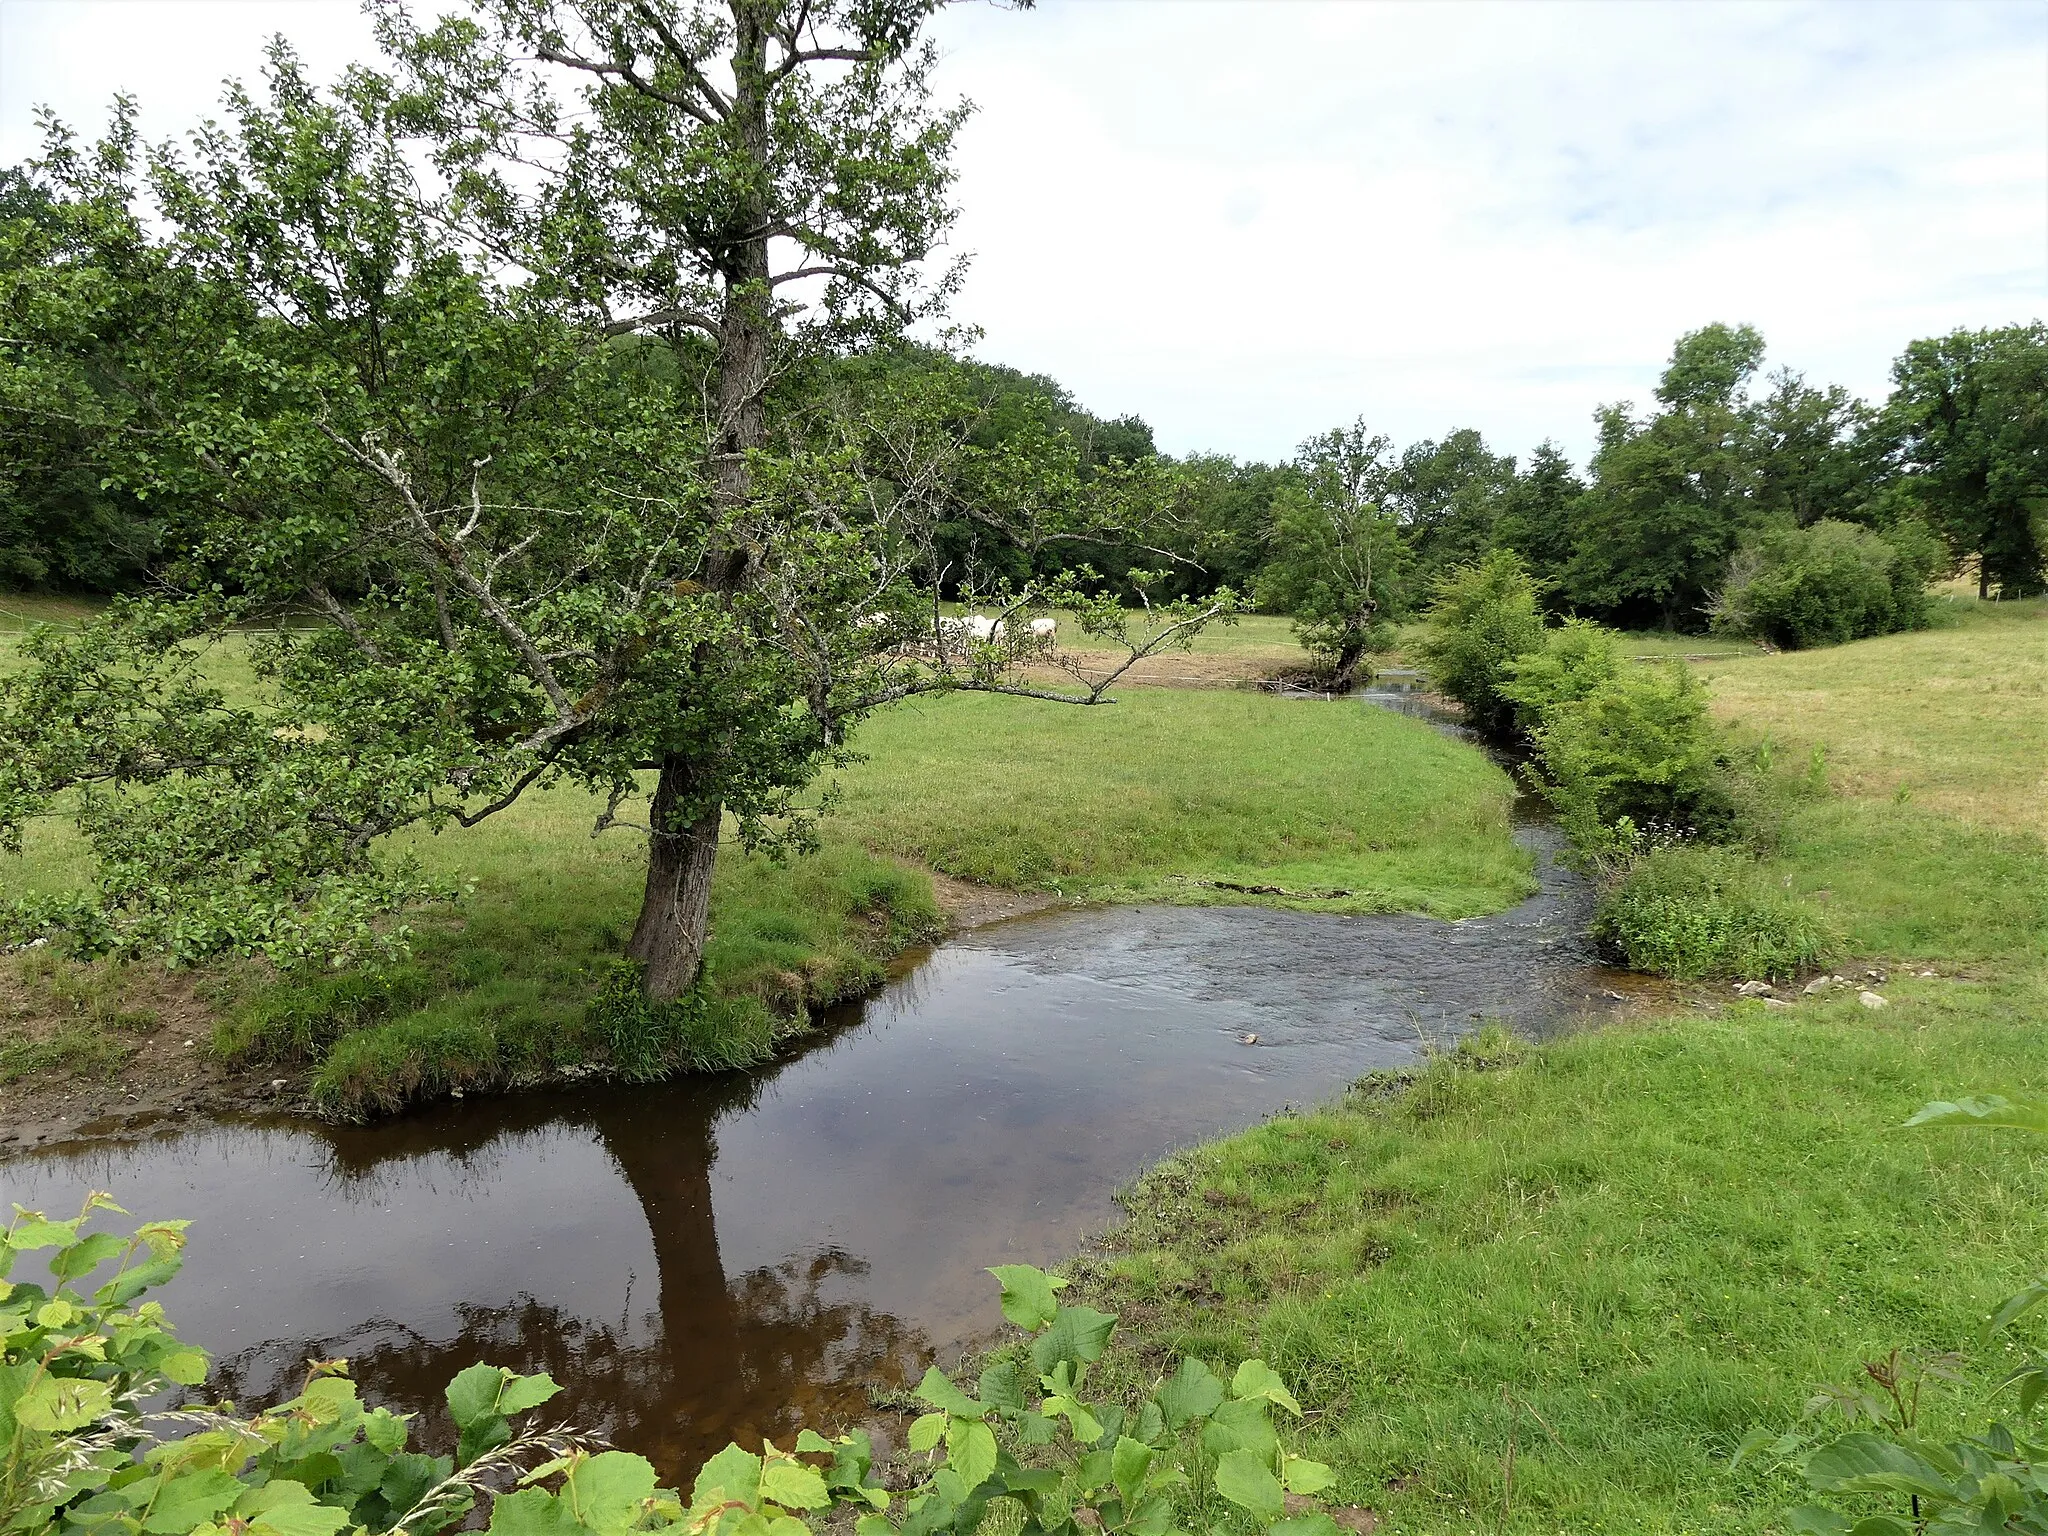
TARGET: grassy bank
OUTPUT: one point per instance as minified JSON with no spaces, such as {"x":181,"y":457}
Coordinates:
{"x":1601,"y":1261}
{"x":1173,"y":794}
{"x":1168,"y":794}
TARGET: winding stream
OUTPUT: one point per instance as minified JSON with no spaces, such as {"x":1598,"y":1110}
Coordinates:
{"x":733,"y":1256}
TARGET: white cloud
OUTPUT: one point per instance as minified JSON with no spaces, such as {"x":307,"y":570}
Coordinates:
{"x":1250,"y":221}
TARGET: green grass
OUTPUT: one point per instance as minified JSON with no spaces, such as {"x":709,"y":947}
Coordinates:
{"x":1621,"y":1251}
{"x":1148,"y":798}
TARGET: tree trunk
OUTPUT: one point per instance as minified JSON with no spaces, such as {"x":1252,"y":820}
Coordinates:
{"x":668,"y":939}
{"x":675,"y":912}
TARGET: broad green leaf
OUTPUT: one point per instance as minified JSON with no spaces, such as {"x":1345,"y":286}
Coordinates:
{"x":1086,"y":1427}
{"x":58,"y":1404}
{"x":1129,"y":1461}
{"x":1153,"y":1517}
{"x":86,"y":1255}
{"x":873,"y":1525}
{"x":473,"y":1393}
{"x":732,"y":1476}
{"x":793,"y":1485}
{"x":926,"y":1430}
{"x":1304,"y":1476}
{"x":2017,"y":1305}
{"x":183,"y":1501}
{"x":56,"y":1313}
{"x":386,"y":1431}
{"x":1868,"y":1463}
{"x":1255,"y":1378}
{"x":532,"y":1512}
{"x":164,"y":1239}
{"x":1985,"y":1109}
{"x":283,"y":1507}
{"x":1028,"y":1299}
{"x":187,"y":1367}
{"x":132,"y":1282}
{"x":520,"y":1393}
{"x":1192,"y":1392}
{"x":33,"y":1231}
{"x":1317,"y":1524}
{"x":937,"y":1389}
{"x":1244,"y":1478}
{"x":1077,"y":1334}
{"x":970,"y":1451}
{"x":1002,"y":1386}
{"x":607,"y":1491}
{"x":808,"y":1440}
{"x":1809,"y":1521}
{"x":1240,"y":1425}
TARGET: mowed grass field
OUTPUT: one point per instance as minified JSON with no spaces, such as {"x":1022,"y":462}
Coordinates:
{"x":1549,"y":1289}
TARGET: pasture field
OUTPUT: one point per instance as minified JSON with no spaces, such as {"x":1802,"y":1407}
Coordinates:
{"x":1143,"y":799}
{"x":1542,"y":1289}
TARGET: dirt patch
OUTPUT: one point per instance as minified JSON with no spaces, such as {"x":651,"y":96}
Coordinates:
{"x":128,"y":1049}
{"x":1173,"y":670}
{"x":968,"y":905}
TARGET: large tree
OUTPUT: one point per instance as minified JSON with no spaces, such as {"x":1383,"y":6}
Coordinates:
{"x":1970,"y":414}
{"x":512,"y":443}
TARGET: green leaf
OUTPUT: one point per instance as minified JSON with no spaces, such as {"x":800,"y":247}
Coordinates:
{"x":937,"y":1389}
{"x":1085,"y":1426}
{"x":473,"y":1393}
{"x":809,"y":1440}
{"x":1240,"y":1425}
{"x":1028,"y":1299}
{"x":1153,"y":1517}
{"x":873,"y":1525}
{"x":1317,"y":1524}
{"x":520,"y":1393}
{"x":187,"y":1367}
{"x":1192,"y":1392}
{"x":184,"y":1501}
{"x":1078,"y":1335}
{"x":59,"y":1404}
{"x":607,"y":1491}
{"x":1129,"y":1461}
{"x":793,"y":1485}
{"x":1868,"y":1463}
{"x":1244,"y":1478}
{"x":2017,"y":1305}
{"x":1304,"y":1476}
{"x":1988,"y":1109}
{"x":970,"y":1451}
{"x":32,"y":1231}
{"x":1256,"y":1379}
{"x":1002,"y":1386}
{"x":132,"y":1282}
{"x":926,"y":1430}
{"x":732,"y":1476}
{"x":282,"y":1507}
{"x":86,"y":1255}
{"x":532,"y":1512}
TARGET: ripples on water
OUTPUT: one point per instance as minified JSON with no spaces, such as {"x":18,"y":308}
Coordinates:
{"x":736,"y":1255}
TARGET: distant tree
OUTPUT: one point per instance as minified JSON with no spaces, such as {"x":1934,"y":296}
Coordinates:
{"x":1449,"y":497}
{"x":1538,"y":513}
{"x":1969,"y":412}
{"x":1671,"y":496}
{"x":1230,"y":513}
{"x":1339,"y":562}
{"x":1816,"y":454}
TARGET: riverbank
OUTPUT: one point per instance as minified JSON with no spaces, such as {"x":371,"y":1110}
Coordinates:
{"x":1169,"y":794}
{"x":1550,"y":1288}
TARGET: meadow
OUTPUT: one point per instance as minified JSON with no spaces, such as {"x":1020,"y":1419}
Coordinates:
{"x":1164,"y":795}
{"x":1550,"y":1288}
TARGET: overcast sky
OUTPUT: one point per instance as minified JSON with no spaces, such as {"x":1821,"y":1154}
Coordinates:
{"x":1250,"y":221}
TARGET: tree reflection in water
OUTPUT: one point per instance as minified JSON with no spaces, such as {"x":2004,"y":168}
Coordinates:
{"x":715,"y":1359}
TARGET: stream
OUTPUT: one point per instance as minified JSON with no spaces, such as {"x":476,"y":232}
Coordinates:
{"x":733,"y":1256}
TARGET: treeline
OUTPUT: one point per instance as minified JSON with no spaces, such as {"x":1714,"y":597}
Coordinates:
{"x":1756,"y":502}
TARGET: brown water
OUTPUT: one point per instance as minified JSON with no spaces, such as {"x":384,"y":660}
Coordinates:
{"x":737,"y":1255}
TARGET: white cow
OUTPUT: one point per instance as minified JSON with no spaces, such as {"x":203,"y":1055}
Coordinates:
{"x":1043,"y":632}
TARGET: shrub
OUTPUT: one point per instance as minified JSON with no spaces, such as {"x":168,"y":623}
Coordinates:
{"x":1634,"y":758}
{"x":1484,"y":617}
{"x":1576,"y":660}
{"x":1826,"y":584}
{"x":1694,"y":912}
